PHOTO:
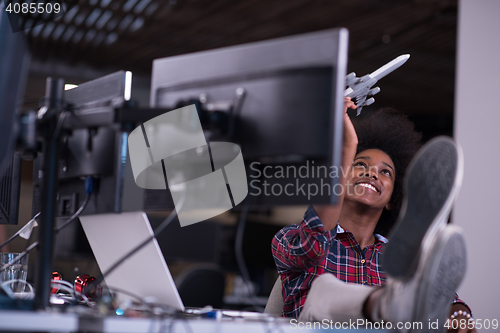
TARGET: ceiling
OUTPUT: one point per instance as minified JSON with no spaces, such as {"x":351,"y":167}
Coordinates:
{"x":106,"y":35}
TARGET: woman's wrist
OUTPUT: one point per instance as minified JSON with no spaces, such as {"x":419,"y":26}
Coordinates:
{"x":461,"y":313}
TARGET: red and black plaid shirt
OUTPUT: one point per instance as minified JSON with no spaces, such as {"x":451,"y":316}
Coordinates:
{"x":305,"y":251}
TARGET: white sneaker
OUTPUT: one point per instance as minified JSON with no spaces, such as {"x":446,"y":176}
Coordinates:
{"x":422,"y":303}
{"x":431,"y":186}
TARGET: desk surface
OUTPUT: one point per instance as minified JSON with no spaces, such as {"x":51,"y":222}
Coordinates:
{"x":31,"y":321}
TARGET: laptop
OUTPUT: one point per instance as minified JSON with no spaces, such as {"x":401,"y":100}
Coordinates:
{"x":145,"y":274}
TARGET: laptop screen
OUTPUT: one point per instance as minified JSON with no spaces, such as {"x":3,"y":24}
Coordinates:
{"x":145,"y":274}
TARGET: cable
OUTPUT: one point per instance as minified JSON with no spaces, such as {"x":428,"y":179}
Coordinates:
{"x":238,"y":249}
{"x":25,"y":295}
{"x":68,"y":287}
{"x":74,"y":216}
{"x":128,"y":293}
{"x":73,"y":294}
{"x":20,"y":231}
{"x":238,"y":244}
{"x":57,"y":283}
{"x":89,"y":189}
{"x":156,"y":233}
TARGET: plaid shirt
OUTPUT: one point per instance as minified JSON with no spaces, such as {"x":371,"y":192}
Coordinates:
{"x":303,"y":252}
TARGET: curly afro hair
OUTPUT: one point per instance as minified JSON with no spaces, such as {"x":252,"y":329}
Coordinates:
{"x":392,"y":132}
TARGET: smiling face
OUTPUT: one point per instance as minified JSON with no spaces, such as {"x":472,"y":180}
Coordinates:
{"x":371,"y":180}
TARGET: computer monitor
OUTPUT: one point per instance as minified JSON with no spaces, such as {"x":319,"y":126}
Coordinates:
{"x":14,"y":65}
{"x":95,"y":151}
{"x":284,"y":98}
{"x":10,"y":188}
{"x":98,"y":151}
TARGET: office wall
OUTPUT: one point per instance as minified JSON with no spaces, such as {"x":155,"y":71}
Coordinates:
{"x":477,"y":128}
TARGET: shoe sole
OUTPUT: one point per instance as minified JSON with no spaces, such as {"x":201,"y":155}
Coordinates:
{"x":431,"y":186}
{"x":443,"y":271}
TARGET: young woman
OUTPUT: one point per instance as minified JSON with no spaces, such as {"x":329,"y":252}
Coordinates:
{"x":341,"y":239}
{"x":347,"y":239}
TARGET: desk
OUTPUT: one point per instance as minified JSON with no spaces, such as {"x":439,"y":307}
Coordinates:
{"x":36,"y":321}
{"x":31,"y":321}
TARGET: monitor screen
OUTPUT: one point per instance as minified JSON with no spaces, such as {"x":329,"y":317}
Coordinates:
{"x":14,"y":65}
{"x":283,"y":104}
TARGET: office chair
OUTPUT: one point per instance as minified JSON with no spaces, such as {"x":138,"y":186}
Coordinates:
{"x":201,"y":285}
{"x":274,"y":304}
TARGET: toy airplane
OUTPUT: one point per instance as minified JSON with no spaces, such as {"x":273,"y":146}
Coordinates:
{"x":360,"y":88}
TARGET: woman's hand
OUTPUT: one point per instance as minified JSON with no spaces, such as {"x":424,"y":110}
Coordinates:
{"x":350,"y":137}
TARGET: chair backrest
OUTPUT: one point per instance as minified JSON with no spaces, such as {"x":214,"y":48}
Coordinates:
{"x":274,"y":304}
{"x":202,"y":285}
